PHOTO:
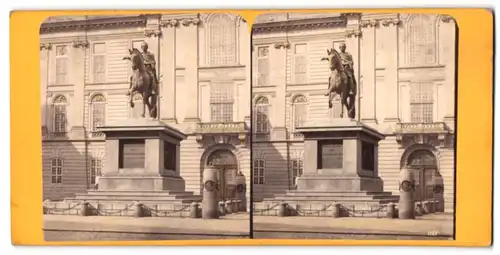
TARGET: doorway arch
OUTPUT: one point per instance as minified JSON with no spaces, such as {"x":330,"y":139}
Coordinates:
{"x":428,"y":181}
{"x":226,"y":165}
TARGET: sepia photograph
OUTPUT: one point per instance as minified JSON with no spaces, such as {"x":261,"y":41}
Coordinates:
{"x":353,"y":126}
{"x":146,"y":127}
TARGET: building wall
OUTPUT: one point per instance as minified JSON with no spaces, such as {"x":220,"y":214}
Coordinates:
{"x":186,"y":69}
{"x":385,"y":74}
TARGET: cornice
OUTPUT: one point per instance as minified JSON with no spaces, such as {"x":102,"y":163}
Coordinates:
{"x":300,"y":24}
{"x":340,"y":35}
{"x":93,"y":24}
{"x":353,"y":32}
{"x":389,"y":22}
{"x":282,"y":45}
{"x":80,"y":44}
{"x":45,"y":46}
{"x":152,"y":32}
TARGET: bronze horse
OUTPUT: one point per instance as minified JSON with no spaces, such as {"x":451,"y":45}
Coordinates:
{"x":142,"y":82}
{"x":338,"y":84}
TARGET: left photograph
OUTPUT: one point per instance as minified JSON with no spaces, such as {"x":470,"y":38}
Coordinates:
{"x":145,"y":127}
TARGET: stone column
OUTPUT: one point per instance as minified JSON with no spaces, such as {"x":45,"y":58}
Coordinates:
{"x":191,"y":60}
{"x":353,"y":34}
{"x":448,"y":28}
{"x":368,"y":71}
{"x":210,"y":208}
{"x":390,"y":28}
{"x":78,"y":80}
{"x":167,"y":82}
{"x":44,"y":72}
{"x":278,"y":64}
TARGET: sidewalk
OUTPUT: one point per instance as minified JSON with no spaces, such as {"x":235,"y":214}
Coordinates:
{"x":428,"y":225}
{"x":235,"y":224}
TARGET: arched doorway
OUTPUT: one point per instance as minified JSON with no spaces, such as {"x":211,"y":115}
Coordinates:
{"x":428,"y":181}
{"x":226,"y":165}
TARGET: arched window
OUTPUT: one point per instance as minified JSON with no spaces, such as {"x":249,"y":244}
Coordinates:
{"x":59,"y":115}
{"x":299,"y":111}
{"x":222,"y":40}
{"x":259,"y":167}
{"x":261,"y":112}
{"x":422,"y":158}
{"x":421,"y":40}
{"x":95,"y":169}
{"x":98,"y":113}
{"x":56,"y":170}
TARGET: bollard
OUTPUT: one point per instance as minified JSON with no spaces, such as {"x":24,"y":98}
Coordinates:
{"x":283,"y":210}
{"x":235,"y":205}
{"x":336,"y":210}
{"x":420,"y":208}
{"x":209,"y":208}
{"x":84,"y":209}
{"x":193,"y":210}
{"x":229,"y":207}
{"x":222,"y":208}
{"x":241,"y":189}
{"x":138,"y":210}
{"x":406,"y":195}
{"x":391,"y":211}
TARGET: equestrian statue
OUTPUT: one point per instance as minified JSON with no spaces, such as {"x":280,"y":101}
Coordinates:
{"x":143,"y":79}
{"x":342,"y":81}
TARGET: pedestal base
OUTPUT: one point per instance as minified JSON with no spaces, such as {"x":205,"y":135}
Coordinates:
{"x":141,"y":183}
{"x":339,"y":184}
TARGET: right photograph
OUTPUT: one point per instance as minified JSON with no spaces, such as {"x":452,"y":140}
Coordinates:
{"x":354,"y":125}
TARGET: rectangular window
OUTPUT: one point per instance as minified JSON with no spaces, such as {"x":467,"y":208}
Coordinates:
{"x":95,"y":169}
{"x":297,"y":169}
{"x":258,"y":171}
{"x":221,"y":102}
{"x":263,"y":66}
{"x":62,"y":63}
{"x":56,"y":170}
{"x":421,"y":102}
{"x":99,"y":62}
{"x":300,"y":63}
{"x":261,"y":119}
{"x":59,"y":119}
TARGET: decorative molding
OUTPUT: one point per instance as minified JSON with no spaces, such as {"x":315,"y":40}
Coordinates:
{"x":388,"y":22}
{"x":447,"y":18}
{"x":170,"y":23}
{"x":190,"y":21}
{"x":80,"y":44}
{"x":303,"y":24}
{"x":93,"y":24}
{"x":355,"y":32}
{"x":152,"y":32}
{"x":45,"y":46}
{"x":282,"y":45}
{"x":369,"y":23}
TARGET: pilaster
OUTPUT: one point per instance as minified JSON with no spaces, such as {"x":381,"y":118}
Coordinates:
{"x":448,"y":28}
{"x":278,"y":63}
{"x":368,"y":70}
{"x":168,"y":81}
{"x":353,"y":35}
{"x":191,"y":59}
{"x":390,"y":28}
{"x":44,"y":65}
{"x":77,"y":104}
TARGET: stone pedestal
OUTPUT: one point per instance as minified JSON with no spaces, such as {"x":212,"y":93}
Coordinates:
{"x":141,"y":155}
{"x":340,"y":156}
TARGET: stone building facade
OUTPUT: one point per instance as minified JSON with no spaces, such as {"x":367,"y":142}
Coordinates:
{"x":203,"y":65}
{"x":405,"y":68}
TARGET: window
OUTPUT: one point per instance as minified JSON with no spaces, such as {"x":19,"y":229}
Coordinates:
{"x":62,"y":64}
{"x":59,"y":111}
{"x":56,"y":170}
{"x":261,"y":115}
{"x":263,"y":66}
{"x":221,"y":102}
{"x":222,"y":38}
{"x":258,"y":171}
{"x":300,"y":63}
{"x":421,"y":102}
{"x":95,"y":169}
{"x":299,"y":108}
{"x":297,"y":169}
{"x":421,"y":40}
{"x":98,"y":113}
{"x":99,"y":62}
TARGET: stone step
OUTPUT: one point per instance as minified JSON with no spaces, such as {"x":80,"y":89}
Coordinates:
{"x":335,"y":193}
{"x":332,"y":198}
{"x":136,"y":198}
{"x":137,"y":193}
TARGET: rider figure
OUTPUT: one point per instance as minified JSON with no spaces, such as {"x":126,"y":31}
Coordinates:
{"x":150,"y":64}
{"x":348,"y":64}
